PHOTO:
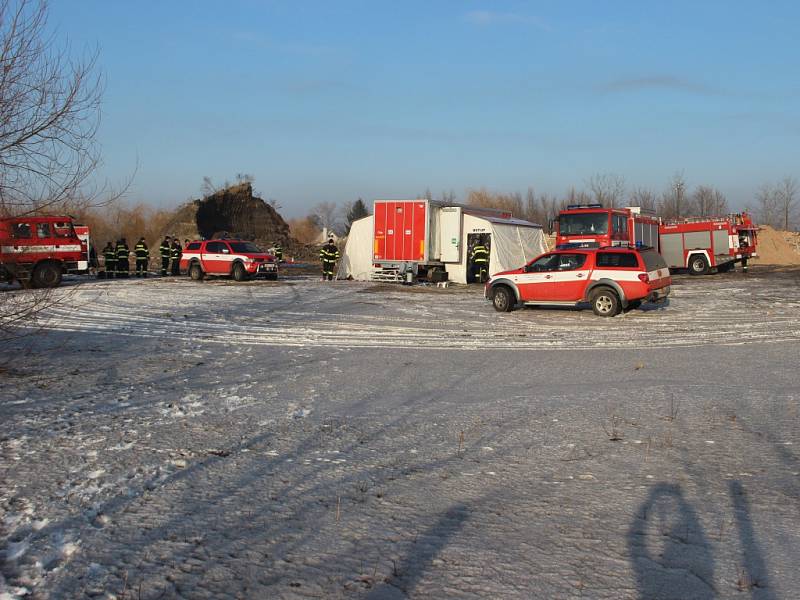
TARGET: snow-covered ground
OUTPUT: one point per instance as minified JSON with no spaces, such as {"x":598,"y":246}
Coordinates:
{"x":301,"y":439}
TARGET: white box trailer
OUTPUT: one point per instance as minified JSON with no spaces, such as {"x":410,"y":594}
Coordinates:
{"x":422,"y":236}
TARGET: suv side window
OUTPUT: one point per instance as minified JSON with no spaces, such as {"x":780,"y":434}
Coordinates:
{"x":617,"y":259}
{"x":557,"y":262}
{"x":570,"y":262}
{"x":193,"y":246}
{"x":548,"y":262}
{"x":214,"y":247}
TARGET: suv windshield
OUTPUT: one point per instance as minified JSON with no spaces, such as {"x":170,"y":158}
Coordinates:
{"x":248,"y":247}
{"x":583,"y":224}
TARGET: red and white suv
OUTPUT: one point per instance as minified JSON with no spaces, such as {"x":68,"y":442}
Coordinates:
{"x":239,"y":259}
{"x":610,"y":279}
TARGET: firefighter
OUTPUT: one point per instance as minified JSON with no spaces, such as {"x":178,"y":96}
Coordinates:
{"x":142,"y":257}
{"x":122,"y":258}
{"x":177,"y":252}
{"x":276,"y":248}
{"x":110,"y":256}
{"x":165,"y":250}
{"x":329,"y":254}
{"x":480,"y":261}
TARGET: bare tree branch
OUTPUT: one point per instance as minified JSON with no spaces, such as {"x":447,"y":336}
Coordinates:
{"x":49,"y":115}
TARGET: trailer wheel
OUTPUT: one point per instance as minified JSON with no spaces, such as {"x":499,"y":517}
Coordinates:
{"x":503,"y":299}
{"x":698,"y":265}
{"x":605,"y":302}
{"x":239,"y":272}
{"x":196,"y":272}
{"x":46,"y":275}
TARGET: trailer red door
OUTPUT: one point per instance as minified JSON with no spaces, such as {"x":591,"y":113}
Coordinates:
{"x":400,"y":230}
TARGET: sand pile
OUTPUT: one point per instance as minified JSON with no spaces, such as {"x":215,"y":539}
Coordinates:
{"x":777,"y":247}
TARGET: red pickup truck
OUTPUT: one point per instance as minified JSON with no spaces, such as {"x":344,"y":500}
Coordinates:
{"x":611,"y":279}
{"x":239,"y":259}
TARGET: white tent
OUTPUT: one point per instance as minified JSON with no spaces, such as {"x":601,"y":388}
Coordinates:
{"x":513,"y":242}
{"x":356,"y":261}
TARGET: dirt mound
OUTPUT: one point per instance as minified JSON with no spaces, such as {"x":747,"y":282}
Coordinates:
{"x":235,"y":212}
{"x":777,"y":247}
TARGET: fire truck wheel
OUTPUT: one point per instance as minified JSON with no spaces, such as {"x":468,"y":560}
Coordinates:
{"x":605,"y":302}
{"x":196,"y":272}
{"x":239,"y":272}
{"x":46,"y":275}
{"x":503,"y":299}
{"x":698,"y":265}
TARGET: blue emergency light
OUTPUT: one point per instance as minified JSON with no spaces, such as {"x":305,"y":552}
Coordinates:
{"x":577,"y":206}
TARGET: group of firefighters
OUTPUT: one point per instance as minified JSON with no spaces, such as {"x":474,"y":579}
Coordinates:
{"x":117,"y":257}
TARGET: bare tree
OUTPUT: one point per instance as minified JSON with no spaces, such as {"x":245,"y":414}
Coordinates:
{"x":708,"y":200}
{"x":577,"y":197}
{"x":325,"y":214}
{"x":608,"y":189}
{"x":49,"y":114}
{"x":643,"y":198}
{"x":507,"y":202}
{"x":786,"y":200}
{"x":448,"y":197}
{"x":208,"y":188}
{"x":767,"y":202}
{"x":674,"y":202}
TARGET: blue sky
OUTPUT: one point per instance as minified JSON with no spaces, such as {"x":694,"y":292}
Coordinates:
{"x":329,"y":101}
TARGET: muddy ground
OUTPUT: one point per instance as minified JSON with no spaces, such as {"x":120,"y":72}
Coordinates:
{"x":301,"y":439}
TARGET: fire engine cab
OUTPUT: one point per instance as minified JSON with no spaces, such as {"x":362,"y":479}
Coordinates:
{"x":37,"y":251}
{"x":699,"y":244}
{"x":592,"y":226}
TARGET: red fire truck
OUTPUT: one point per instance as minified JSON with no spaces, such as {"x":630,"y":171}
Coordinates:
{"x":699,"y":244}
{"x":37,"y":251}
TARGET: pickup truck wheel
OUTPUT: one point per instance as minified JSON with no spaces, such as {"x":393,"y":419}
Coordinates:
{"x":46,"y":275}
{"x":239,"y":272}
{"x":196,"y":272}
{"x":503,"y":299}
{"x":605,"y":302}
{"x":698,"y":265}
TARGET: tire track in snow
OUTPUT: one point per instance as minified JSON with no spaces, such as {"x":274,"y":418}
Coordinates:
{"x":697,"y":316}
